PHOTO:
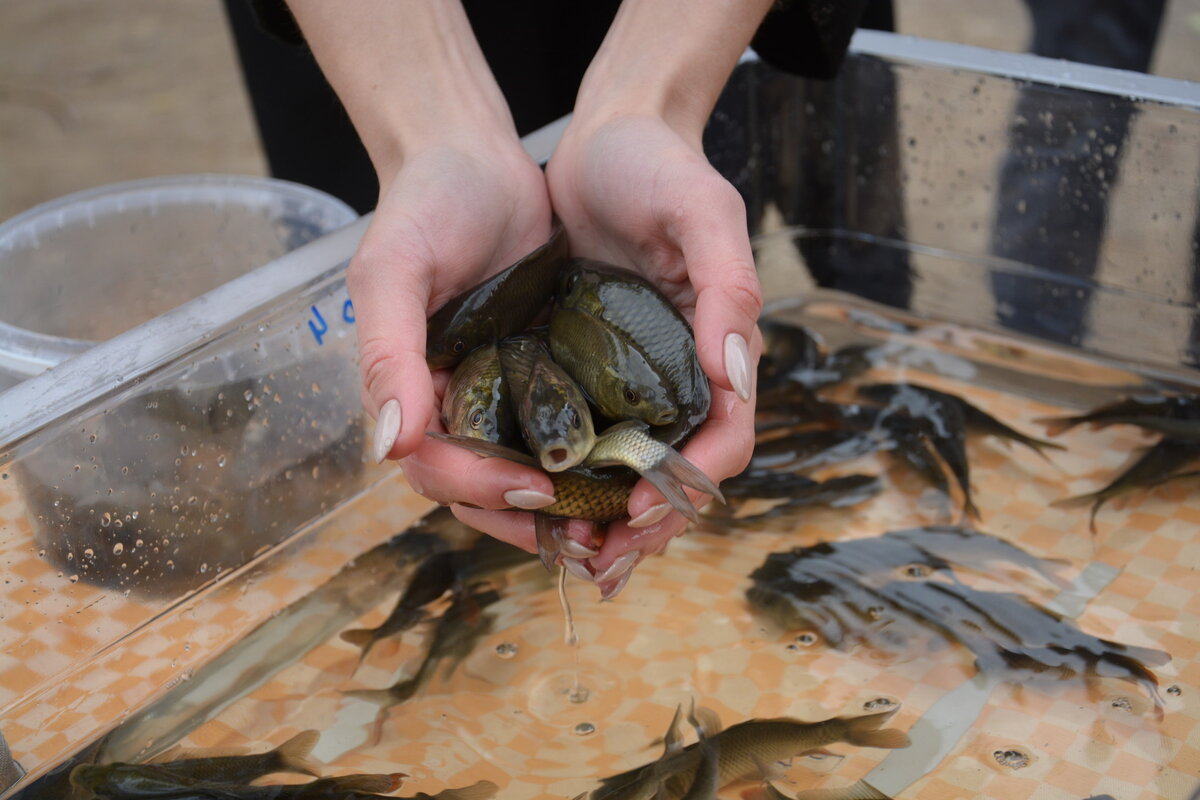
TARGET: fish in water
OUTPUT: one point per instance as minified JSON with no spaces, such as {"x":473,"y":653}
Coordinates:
{"x":496,"y":307}
{"x":147,"y":780}
{"x":1175,"y":415}
{"x":891,"y":591}
{"x":458,"y":630}
{"x":946,"y":428}
{"x":448,"y":570}
{"x":860,"y":790}
{"x":742,"y":747}
{"x":345,"y":787}
{"x":976,"y":419}
{"x":118,"y":781}
{"x":1168,"y":460}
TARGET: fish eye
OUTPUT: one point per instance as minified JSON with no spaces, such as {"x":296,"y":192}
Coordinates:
{"x":575,"y":420}
{"x":458,"y":346}
{"x":631,"y":396}
{"x":477,"y":418}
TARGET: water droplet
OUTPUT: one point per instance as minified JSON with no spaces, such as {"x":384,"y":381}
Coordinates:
{"x":89,"y":553}
{"x":579,"y":694}
{"x":73,"y":578}
{"x":879,"y":702}
{"x":1122,"y":703}
{"x":105,"y":519}
{"x":585,"y":728}
{"x":1015,"y":759}
{"x":793,"y":647}
{"x":220,"y":461}
{"x":917,"y":571}
{"x":506,"y":649}
{"x":806,"y":639}
{"x":1174,"y":690}
{"x":248,"y":395}
{"x":118,"y":548}
{"x":41,"y":553}
{"x":875,"y":612}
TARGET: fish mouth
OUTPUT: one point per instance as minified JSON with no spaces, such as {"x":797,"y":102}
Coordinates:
{"x":557,"y":458}
{"x":665,"y":417}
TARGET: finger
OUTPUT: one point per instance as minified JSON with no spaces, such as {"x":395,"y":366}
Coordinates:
{"x":390,"y":298}
{"x":449,"y":474}
{"x":625,"y":547}
{"x":715,"y":244}
{"x":515,"y":527}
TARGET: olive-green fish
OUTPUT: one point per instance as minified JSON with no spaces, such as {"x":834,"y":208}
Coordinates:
{"x":148,"y":780}
{"x":1166,"y":461}
{"x":742,"y":747}
{"x":503,"y":304}
{"x":1176,"y":415}
{"x":476,"y":402}
{"x":610,"y":369}
{"x":632,"y":306}
{"x":553,"y":413}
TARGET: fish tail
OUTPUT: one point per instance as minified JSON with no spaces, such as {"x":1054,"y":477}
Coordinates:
{"x":671,"y":474}
{"x":385,"y":697}
{"x":369,"y":783}
{"x":865,"y":731}
{"x":479,"y":790}
{"x":294,"y":755}
{"x":970,"y":509}
{"x":1096,"y":499}
{"x":1039,"y":446}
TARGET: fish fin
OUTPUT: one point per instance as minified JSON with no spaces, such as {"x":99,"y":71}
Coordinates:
{"x":295,"y":755}
{"x":170,"y":754}
{"x":480,"y":790}
{"x":706,"y":721}
{"x":865,"y":731}
{"x":767,"y":770}
{"x":485,"y":448}
{"x":673,"y":739}
{"x":549,"y":532}
{"x":1096,"y":499}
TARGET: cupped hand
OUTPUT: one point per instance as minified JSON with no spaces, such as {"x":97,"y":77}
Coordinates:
{"x":634,"y":191}
{"x":450,"y":216}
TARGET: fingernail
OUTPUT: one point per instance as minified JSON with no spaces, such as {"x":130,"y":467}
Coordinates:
{"x":578,"y":569}
{"x":620,"y":566}
{"x":574,"y":549}
{"x":737,"y":365}
{"x":387,"y":428}
{"x":650,"y":516}
{"x":528,"y":499}
{"x":611,"y":590}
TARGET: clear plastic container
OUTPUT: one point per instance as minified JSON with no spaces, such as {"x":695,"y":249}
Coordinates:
{"x":83,"y":268}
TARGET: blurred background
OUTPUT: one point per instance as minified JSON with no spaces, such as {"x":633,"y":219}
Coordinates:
{"x":93,"y":93}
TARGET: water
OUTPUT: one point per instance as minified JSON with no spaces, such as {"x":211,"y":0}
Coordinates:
{"x":510,"y":708}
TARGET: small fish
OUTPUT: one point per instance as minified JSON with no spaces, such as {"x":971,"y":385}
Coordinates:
{"x":629,"y":304}
{"x":291,"y":756}
{"x":911,"y":443}
{"x":812,"y":448}
{"x":458,"y":631}
{"x":946,"y":431}
{"x":610,"y":369}
{"x":437,"y":574}
{"x":786,"y":348}
{"x":1165,"y":461}
{"x":555,"y":421}
{"x":976,"y":419}
{"x":1170,"y":414}
{"x":841,"y":491}
{"x":497,"y":306}
{"x":706,"y":778}
{"x":476,"y":402}
{"x":343,"y":787}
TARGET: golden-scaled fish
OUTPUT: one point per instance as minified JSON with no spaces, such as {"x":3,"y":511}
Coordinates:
{"x":476,"y":402}
{"x":503,"y":304}
{"x":612,"y":370}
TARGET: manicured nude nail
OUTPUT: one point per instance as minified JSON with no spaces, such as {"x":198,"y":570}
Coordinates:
{"x":610,"y":590}
{"x":528,"y":499}
{"x":737,"y":365}
{"x":387,"y":428}
{"x":650,"y":516}
{"x":620,"y":566}
{"x":574,"y":549}
{"x":578,"y":569}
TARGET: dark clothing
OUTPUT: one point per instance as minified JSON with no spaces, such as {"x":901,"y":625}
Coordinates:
{"x":538,"y":51}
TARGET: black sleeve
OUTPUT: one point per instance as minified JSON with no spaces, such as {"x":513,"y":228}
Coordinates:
{"x":808,"y":37}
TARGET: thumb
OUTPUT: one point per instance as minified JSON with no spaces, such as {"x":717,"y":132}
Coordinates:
{"x":390,"y":292}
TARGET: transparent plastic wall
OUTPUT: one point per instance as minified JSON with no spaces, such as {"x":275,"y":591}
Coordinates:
{"x":1050,"y":199}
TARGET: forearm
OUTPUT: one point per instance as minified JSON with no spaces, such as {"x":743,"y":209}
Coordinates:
{"x":410,"y":74}
{"x":668,"y":58}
